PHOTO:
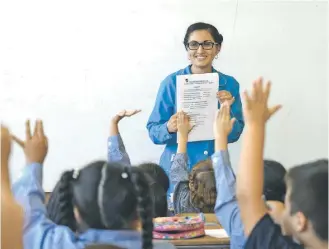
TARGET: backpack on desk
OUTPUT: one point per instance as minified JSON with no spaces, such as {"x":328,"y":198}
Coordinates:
{"x":173,"y":228}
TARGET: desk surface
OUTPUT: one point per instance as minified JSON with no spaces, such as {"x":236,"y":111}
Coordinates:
{"x":206,"y":240}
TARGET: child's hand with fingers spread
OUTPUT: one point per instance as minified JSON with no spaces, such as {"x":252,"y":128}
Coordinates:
{"x":183,"y":125}
{"x":223,"y":124}
{"x":36,"y":146}
{"x":124,"y":113}
{"x":256,"y":108}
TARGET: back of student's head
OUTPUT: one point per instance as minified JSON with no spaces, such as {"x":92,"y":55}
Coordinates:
{"x":106,"y":196}
{"x":308,"y":194}
{"x":159,"y":184}
{"x":159,"y":198}
{"x":274,"y":181}
{"x":202,"y":186}
{"x":157,"y":173}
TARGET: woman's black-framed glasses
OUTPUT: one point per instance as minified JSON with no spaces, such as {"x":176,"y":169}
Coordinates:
{"x":206,"y":45}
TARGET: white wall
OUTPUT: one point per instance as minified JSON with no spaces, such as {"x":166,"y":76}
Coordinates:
{"x":76,"y":63}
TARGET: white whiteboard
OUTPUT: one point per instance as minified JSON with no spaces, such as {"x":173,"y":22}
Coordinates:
{"x":76,"y":63}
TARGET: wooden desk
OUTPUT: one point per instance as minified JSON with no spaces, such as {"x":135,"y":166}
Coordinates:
{"x":205,"y":242}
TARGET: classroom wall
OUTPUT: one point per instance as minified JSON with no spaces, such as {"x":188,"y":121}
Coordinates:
{"x":76,"y":63}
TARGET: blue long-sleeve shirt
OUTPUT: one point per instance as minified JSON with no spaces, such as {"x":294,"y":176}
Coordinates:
{"x":41,"y":233}
{"x":226,"y":209}
{"x":165,"y":107}
{"x":116,"y":150}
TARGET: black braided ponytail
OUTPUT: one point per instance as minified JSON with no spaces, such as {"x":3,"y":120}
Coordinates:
{"x":144,"y":207}
{"x":60,"y":205}
{"x":122,"y":194}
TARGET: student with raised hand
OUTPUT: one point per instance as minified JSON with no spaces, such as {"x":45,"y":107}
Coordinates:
{"x":305,"y":215}
{"x":158,"y":180}
{"x":226,"y":208}
{"x":116,"y":149}
{"x":116,"y":152}
{"x":194,"y":192}
{"x":11,"y":213}
{"x":107,"y":201}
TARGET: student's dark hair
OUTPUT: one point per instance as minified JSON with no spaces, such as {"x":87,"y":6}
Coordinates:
{"x":309,"y":194}
{"x":60,"y":206}
{"x":157,"y":173}
{"x":158,"y":196}
{"x":145,"y":207}
{"x":218,"y":38}
{"x":110,"y":196}
{"x":274,"y":181}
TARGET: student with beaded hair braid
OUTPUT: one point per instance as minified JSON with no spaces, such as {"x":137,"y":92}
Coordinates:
{"x":157,"y":178}
{"x":106,"y":202}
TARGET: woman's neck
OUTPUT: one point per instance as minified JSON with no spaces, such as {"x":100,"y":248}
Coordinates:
{"x":198,"y":70}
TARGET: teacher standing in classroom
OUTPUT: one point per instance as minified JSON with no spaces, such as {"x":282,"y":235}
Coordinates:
{"x":203,"y":43}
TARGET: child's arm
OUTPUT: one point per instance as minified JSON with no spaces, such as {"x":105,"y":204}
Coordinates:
{"x":178,"y":171}
{"x":12,"y":215}
{"x":226,"y":208}
{"x":116,"y":150}
{"x":39,"y":231}
{"x":251,"y":170}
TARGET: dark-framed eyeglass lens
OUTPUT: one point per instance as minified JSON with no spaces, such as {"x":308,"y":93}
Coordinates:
{"x":207,"y":45}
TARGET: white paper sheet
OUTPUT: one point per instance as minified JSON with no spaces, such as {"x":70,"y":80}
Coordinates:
{"x":217,"y":233}
{"x":196,"y":95}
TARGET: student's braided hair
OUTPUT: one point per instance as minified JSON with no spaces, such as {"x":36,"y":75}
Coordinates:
{"x":123,"y":195}
{"x":107,"y":196}
{"x":145,"y":207}
{"x":60,"y":205}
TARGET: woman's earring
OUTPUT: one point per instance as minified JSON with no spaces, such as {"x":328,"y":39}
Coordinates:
{"x":216,"y":57}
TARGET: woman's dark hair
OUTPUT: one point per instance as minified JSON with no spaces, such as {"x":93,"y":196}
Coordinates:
{"x":203,"y":26}
{"x":107,"y":196}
